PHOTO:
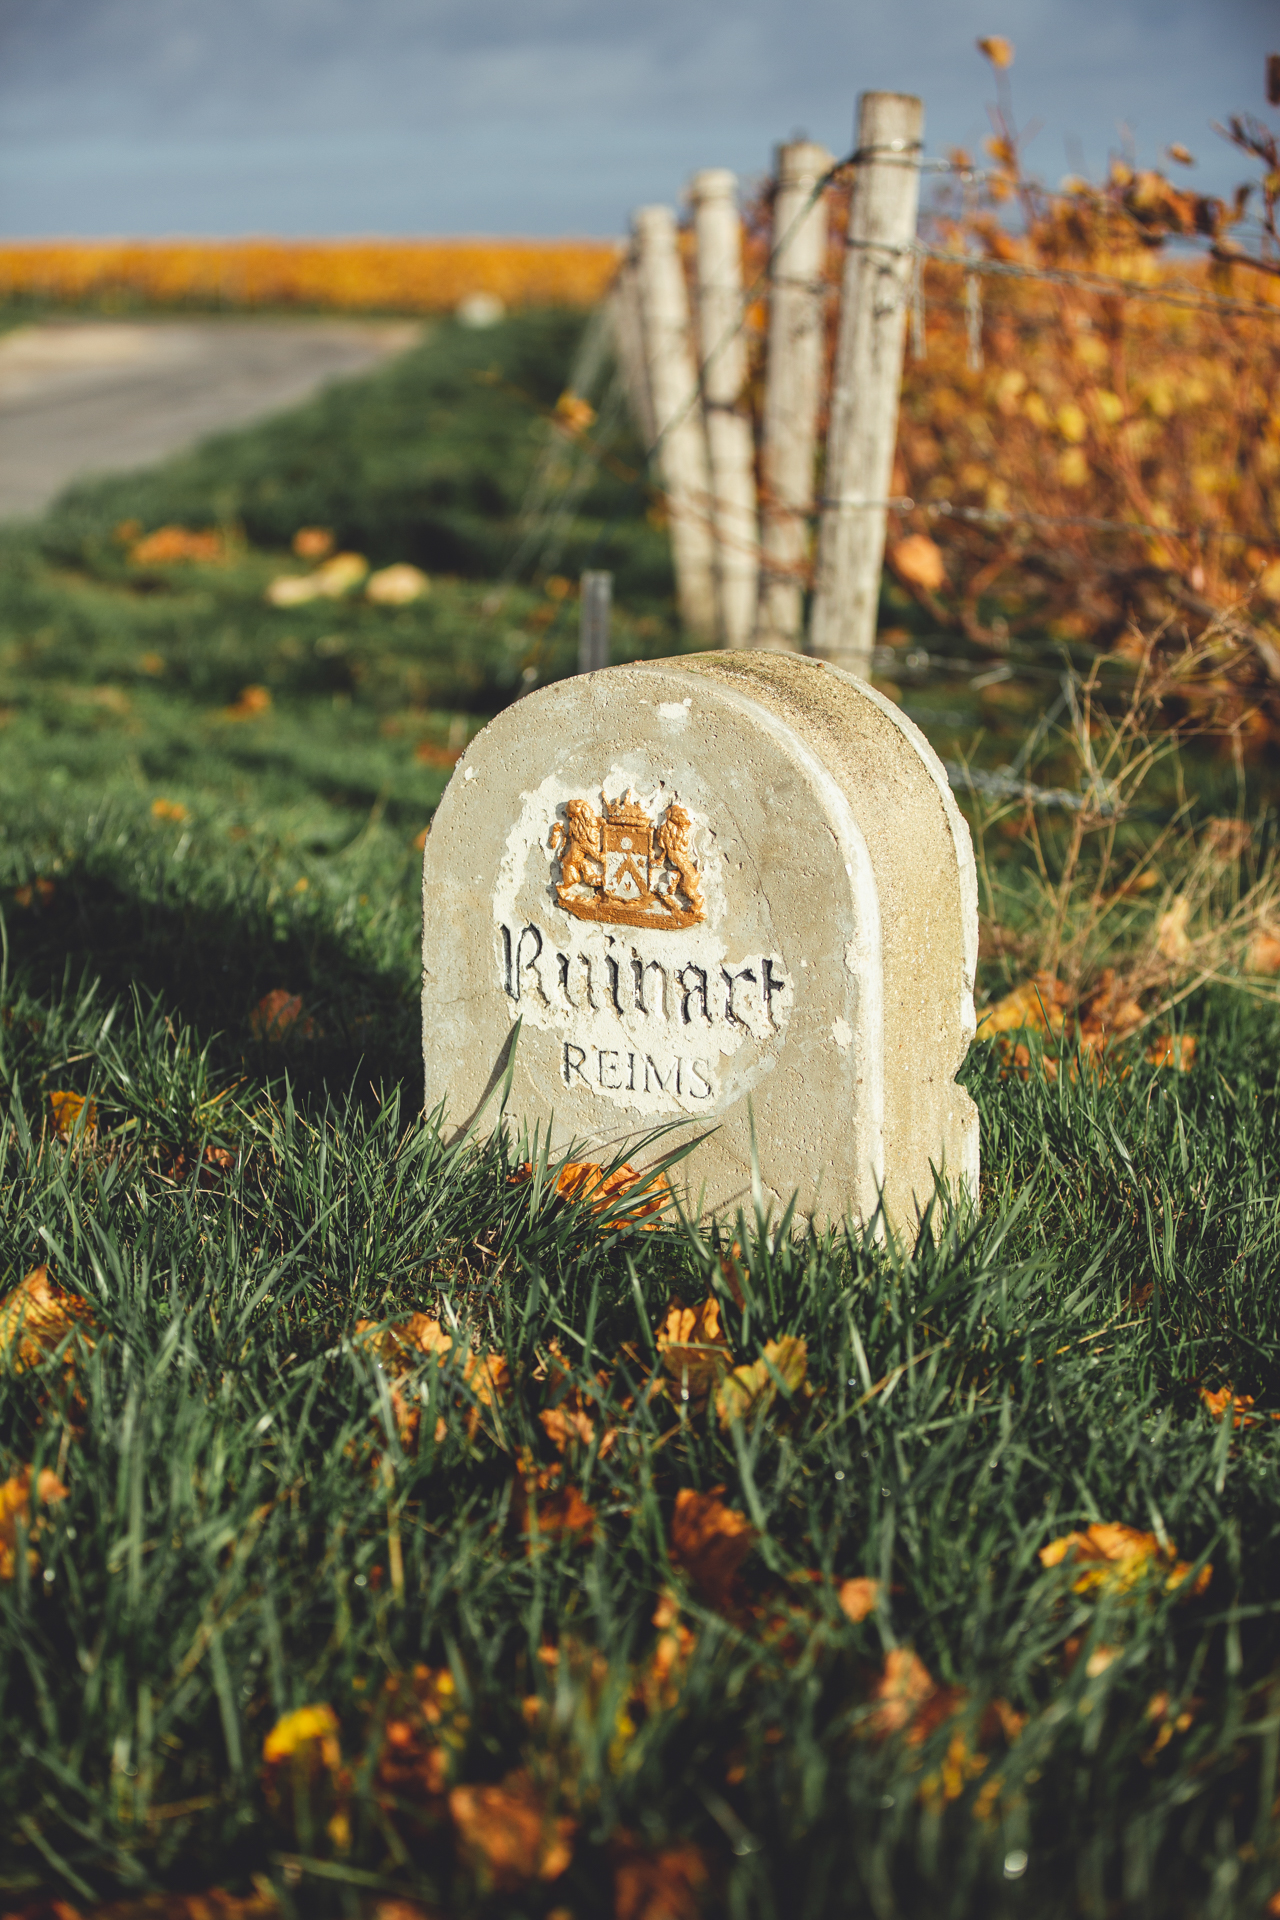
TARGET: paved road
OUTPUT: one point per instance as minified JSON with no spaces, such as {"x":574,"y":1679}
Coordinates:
{"x":84,"y":397}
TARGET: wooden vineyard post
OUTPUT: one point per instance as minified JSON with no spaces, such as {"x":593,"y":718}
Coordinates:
{"x":593,"y":629}
{"x":730,"y":443}
{"x":793,"y":385}
{"x":628,"y":341}
{"x":868,"y":375}
{"x":677,"y":413}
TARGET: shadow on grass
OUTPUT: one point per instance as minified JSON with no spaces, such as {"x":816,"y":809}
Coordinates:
{"x":212,"y":965}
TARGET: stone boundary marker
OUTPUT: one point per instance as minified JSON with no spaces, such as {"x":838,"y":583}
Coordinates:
{"x":718,"y":889}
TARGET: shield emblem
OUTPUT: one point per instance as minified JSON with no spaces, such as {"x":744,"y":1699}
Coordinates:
{"x":628,"y":852}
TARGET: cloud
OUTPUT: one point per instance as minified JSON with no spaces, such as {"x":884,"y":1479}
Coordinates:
{"x":549,"y":115}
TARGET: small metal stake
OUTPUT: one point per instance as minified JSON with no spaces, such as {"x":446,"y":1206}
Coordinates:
{"x":593,"y":633}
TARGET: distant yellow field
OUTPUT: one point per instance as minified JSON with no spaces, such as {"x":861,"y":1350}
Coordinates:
{"x":353,"y":276}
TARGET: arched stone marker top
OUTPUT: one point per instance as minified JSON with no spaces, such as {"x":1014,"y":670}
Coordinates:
{"x":714,"y":890}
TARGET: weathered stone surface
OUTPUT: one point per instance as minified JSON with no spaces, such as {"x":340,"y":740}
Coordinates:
{"x":716,"y":890}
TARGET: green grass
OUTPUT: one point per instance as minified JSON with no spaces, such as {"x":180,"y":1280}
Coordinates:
{"x":246,"y":1530}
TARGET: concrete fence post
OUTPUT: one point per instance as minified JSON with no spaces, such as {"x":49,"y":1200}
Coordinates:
{"x":594,"y":606}
{"x":793,"y":387}
{"x":730,"y":441}
{"x":868,"y":376}
{"x":628,"y":343}
{"x":677,"y":411}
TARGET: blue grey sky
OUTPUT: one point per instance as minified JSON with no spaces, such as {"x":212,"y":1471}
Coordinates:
{"x":557,"y":116}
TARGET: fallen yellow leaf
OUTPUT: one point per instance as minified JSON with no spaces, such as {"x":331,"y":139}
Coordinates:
{"x":1039,"y":1004}
{"x":508,"y":1833}
{"x":15,"y":1511}
{"x":1225,"y":1401}
{"x":710,"y":1541}
{"x":339,"y":575}
{"x":751,"y":1389}
{"x":35,"y":1319}
{"x":1115,"y":1558}
{"x":253,"y":702}
{"x":73,"y":1114}
{"x":312,"y":543}
{"x":859,"y":1597}
{"x":297,"y":1731}
{"x":692,"y":1348}
{"x":584,"y":1180}
{"x":1177,"y":1050}
{"x":397,"y":586}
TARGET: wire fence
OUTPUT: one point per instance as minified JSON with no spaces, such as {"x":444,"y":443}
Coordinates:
{"x":548,"y":517}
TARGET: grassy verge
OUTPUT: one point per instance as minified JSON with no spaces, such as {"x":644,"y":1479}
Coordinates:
{"x":782,"y":1636}
{"x":383,"y":1530}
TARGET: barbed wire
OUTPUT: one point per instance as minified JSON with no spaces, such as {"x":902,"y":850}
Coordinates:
{"x":1001,"y":516}
{"x":1003,"y":783}
{"x":905,"y":153}
{"x":1195,"y":298}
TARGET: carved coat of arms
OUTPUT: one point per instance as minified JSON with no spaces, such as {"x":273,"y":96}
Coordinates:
{"x":625,"y":868}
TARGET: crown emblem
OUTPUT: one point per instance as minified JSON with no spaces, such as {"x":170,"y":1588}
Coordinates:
{"x":627,"y":868}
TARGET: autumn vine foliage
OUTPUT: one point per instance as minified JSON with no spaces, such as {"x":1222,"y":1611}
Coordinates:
{"x":1089,"y":441}
{"x":347,"y":276}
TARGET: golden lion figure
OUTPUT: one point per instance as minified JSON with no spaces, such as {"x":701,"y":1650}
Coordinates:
{"x":674,"y":839}
{"x":581,"y":848}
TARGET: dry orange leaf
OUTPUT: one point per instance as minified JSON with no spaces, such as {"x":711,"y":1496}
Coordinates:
{"x":1039,"y":1004}
{"x":1109,"y":1014}
{"x":413,"y":1763}
{"x":73,"y":1114}
{"x":565,"y":1424}
{"x":488,"y":1376}
{"x":859,"y":1597}
{"x":710,"y":1542}
{"x":584,"y":1180}
{"x":37,"y":892}
{"x":252,"y":703}
{"x":1177,"y":1050}
{"x":751,"y":1390}
{"x":918,"y":560}
{"x":692,"y":1348}
{"x":1238,"y":1405}
{"x":280,"y":1016}
{"x":657,"y":1886}
{"x":508,"y":1834}
{"x":902,"y":1691}
{"x":1115,"y":1558}
{"x":35,"y":1319}
{"x":574,"y":413}
{"x":15,"y":1510}
{"x":170,"y":544}
{"x":402,"y":1344}
{"x":312,"y":543}
{"x":998,"y":50}
{"x":1263,"y":954}
{"x":169,"y":810}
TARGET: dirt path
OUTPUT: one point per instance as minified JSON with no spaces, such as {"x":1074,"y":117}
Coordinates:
{"x":83,"y":397}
